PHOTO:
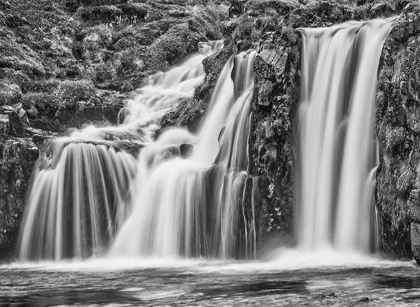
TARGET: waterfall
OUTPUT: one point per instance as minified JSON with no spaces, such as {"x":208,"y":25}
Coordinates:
{"x":117,"y":190}
{"x":336,"y":130}
{"x":189,"y":206}
{"x":69,"y":214}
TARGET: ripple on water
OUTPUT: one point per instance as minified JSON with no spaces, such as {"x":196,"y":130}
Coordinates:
{"x":286,"y":278}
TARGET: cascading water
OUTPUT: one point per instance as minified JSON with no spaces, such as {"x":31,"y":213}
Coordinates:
{"x":182,"y":207}
{"x":337,"y":143}
{"x":81,"y":188}
{"x":176,"y":196}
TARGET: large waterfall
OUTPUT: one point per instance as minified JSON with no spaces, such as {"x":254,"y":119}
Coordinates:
{"x":338,"y":152}
{"x":117,"y":190}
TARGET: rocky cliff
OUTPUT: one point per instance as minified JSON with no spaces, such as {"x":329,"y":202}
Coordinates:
{"x":397,"y":129}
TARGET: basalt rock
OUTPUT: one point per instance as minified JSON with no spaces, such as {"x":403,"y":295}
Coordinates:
{"x":276,"y":96}
{"x":398,"y":131}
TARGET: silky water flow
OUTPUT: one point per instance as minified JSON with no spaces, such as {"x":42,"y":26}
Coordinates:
{"x":338,"y":149}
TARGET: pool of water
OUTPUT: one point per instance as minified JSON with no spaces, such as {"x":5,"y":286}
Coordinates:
{"x":292,"y":280}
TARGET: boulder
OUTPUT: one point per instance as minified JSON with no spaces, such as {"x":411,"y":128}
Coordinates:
{"x":9,"y":93}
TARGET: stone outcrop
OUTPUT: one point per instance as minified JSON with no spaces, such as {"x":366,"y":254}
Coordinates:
{"x":274,"y":106}
{"x":398,"y":131}
{"x":17,"y":159}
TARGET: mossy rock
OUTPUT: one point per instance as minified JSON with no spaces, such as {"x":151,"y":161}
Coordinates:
{"x":69,"y":92}
{"x":9,"y":93}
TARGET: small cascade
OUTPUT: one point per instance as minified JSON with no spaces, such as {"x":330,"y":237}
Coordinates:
{"x":370,"y":226}
{"x":164,"y":90}
{"x":117,"y":190}
{"x":78,"y":200}
{"x":337,"y":142}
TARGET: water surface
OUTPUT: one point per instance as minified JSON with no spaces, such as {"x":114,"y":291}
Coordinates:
{"x":289,"y":280}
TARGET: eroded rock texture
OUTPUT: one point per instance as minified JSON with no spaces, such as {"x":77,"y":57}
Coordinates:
{"x":273,"y":112}
{"x":398,"y":131}
{"x":17,"y":159}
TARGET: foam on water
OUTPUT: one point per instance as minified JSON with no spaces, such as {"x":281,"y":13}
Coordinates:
{"x":286,"y":259}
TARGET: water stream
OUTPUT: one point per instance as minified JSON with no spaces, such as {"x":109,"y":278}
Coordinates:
{"x":337,"y":143}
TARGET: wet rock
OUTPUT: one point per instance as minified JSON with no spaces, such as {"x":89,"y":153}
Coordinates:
{"x":415,"y":241}
{"x":264,"y":93}
{"x":17,"y":119}
{"x":32,"y":132}
{"x":187,"y":113}
{"x":186,"y":150}
{"x":397,"y":128}
{"x":236,"y":8}
{"x":17,"y":159}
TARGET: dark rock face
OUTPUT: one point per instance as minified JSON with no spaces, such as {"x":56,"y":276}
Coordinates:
{"x":17,"y":159}
{"x":398,"y":131}
{"x":275,"y":100}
